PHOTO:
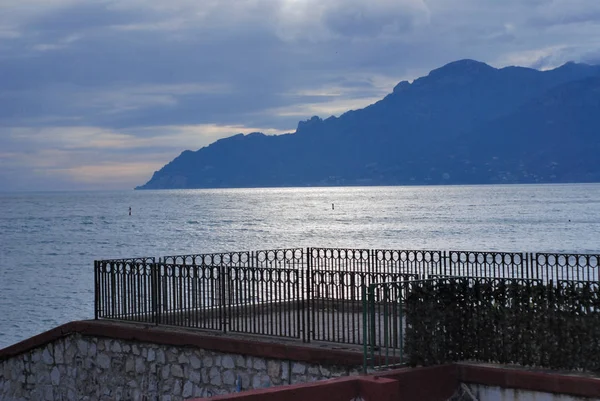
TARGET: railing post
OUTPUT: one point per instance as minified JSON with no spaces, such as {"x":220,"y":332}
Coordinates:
{"x":302,"y":295}
{"x":371,"y":266}
{"x":444,"y":257}
{"x":308,"y":306}
{"x":371,"y":307}
{"x":300,"y":301}
{"x":386,"y":333}
{"x":96,"y":290}
{"x":223,"y":296}
{"x":163,"y":288}
{"x":401,"y":326}
{"x":365,"y":332}
{"x":155,"y":290}
{"x":113,"y":292}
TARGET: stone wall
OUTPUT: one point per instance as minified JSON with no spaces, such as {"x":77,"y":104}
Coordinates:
{"x":493,"y":393}
{"x":79,"y":367}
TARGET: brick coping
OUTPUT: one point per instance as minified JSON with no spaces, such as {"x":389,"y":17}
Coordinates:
{"x":274,"y":348}
{"x":513,"y":377}
{"x":520,"y":378}
{"x":433,"y":383}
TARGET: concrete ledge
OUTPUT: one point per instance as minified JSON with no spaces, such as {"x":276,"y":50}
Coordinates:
{"x":375,"y":388}
{"x":522,"y":379}
{"x":38,"y":340}
{"x":426,"y":383}
{"x":410,"y":384}
{"x":342,"y":389}
{"x":275,"y":349}
{"x":436,"y":383}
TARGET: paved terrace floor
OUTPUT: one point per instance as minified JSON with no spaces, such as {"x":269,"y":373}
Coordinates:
{"x":332,"y":325}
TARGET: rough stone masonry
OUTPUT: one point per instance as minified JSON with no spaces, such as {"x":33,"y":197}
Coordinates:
{"x":80,"y":367}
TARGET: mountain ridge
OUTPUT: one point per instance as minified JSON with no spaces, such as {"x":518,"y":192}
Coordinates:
{"x":439,"y":129}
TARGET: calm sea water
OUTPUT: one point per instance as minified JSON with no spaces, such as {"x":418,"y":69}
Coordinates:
{"x":48,"y":241}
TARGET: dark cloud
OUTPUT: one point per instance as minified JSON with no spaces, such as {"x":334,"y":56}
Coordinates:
{"x":85,"y":17}
{"x":361,"y":19}
{"x":551,"y":13}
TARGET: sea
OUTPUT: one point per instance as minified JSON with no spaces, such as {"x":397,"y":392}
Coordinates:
{"x":49,"y":240}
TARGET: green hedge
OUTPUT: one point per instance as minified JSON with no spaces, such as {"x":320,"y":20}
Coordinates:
{"x":509,"y":321}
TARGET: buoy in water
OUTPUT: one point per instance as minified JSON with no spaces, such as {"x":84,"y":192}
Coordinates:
{"x":130,"y":210}
{"x":332,"y":207}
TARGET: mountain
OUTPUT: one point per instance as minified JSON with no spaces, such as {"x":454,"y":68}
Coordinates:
{"x":463,"y":123}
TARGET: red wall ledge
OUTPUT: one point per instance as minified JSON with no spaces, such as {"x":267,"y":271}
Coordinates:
{"x":275,"y":348}
{"x":429,"y":383}
{"x":528,"y":379}
{"x":343,"y":389}
{"x":436,"y":383}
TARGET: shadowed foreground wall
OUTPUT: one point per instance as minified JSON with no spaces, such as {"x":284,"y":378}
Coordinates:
{"x":84,"y":363}
{"x":454,"y":382}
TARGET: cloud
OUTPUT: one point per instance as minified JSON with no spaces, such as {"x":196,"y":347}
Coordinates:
{"x":115,"y":174}
{"x":95,"y":104}
{"x":66,"y":170}
{"x":333,"y":107}
{"x":127,"y":98}
{"x":566,"y":12}
{"x":101,"y":139}
{"x":337,"y":19}
{"x":8,"y":33}
{"x":60,"y":44}
{"x":213,"y":16}
{"x":91,"y":84}
{"x":336,"y":97}
{"x":84,"y":154}
{"x":545,"y":58}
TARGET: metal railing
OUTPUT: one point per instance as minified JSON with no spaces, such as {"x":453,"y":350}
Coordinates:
{"x":543,"y":266}
{"x":313,"y":294}
{"x":124,"y":289}
{"x":225,"y":297}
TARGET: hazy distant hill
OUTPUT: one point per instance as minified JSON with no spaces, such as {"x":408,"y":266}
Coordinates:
{"x":464,"y":123}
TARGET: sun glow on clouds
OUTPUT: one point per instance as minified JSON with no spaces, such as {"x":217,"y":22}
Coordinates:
{"x":359,"y":91}
{"x":545,"y":59}
{"x":81,"y":169}
{"x":72,"y":138}
{"x":116,"y":174}
{"x":117,"y":159}
{"x":333,"y":107}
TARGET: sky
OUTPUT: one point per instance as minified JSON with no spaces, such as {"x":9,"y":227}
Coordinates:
{"x":99,"y":94}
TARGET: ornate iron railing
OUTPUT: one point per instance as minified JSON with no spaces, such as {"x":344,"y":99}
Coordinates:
{"x":542,"y":266}
{"x":189,"y":295}
{"x":272,"y":258}
{"x":124,"y":289}
{"x":313,"y":294}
